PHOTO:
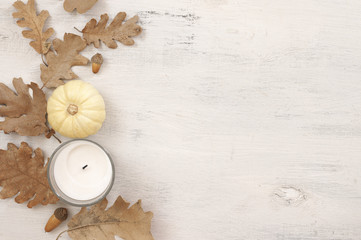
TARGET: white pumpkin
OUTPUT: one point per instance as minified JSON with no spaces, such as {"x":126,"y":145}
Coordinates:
{"x":76,"y":109}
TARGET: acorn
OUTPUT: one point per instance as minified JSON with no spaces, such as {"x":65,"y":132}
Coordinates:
{"x":97,"y":61}
{"x":60,"y":215}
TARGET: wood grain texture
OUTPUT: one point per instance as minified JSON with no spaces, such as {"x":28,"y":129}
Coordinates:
{"x":230,"y":119}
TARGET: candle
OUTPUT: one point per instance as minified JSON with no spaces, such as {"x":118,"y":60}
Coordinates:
{"x":81,"y":172}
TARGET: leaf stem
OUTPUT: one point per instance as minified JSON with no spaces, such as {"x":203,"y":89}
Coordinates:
{"x":89,"y":225}
{"x":61,"y":234}
{"x":42,"y":59}
{"x":77,"y":29}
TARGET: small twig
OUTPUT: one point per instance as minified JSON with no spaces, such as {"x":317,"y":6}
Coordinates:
{"x":57,"y":138}
{"x":51,"y":133}
{"x":77,"y":30}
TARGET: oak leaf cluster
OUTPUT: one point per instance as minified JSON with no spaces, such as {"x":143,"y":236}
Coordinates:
{"x":23,"y":171}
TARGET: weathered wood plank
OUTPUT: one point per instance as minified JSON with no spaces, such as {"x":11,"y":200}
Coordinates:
{"x":230,"y":119}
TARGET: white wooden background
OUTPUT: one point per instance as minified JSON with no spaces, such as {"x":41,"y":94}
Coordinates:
{"x":230,"y":119}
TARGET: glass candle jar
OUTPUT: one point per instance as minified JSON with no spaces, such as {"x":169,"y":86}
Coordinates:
{"x":81,"y":172}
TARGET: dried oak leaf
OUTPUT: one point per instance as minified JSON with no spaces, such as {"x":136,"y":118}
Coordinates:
{"x":29,"y":19}
{"x":81,"y":6}
{"x":119,"y":220}
{"x":59,"y":65}
{"x":95,"y":32}
{"x":22,"y":171}
{"x":23,"y":114}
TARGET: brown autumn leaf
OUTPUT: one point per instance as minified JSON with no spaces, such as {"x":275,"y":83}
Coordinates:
{"x":95,"y":32}
{"x":59,"y":65}
{"x":23,"y":114}
{"x":119,"y":220}
{"x":29,"y":19}
{"x":22,"y":171}
{"x":81,"y":6}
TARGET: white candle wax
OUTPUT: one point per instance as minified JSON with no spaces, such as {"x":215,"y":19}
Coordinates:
{"x":82,"y":170}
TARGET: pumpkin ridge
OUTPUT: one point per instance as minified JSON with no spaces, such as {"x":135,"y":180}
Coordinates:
{"x":87,"y":109}
{"x":87,"y":117}
{"x":89,"y":97}
{"x":57,"y":111}
{"x":66,"y":96}
{"x":61,"y":126}
{"x":71,"y":87}
{"x":80,"y":125}
{"x":58,"y":101}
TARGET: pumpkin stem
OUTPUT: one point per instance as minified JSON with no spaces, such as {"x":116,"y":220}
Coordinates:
{"x":72,"y":109}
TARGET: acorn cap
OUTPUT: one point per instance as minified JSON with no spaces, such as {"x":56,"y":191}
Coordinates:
{"x":97,"y":61}
{"x":97,"y":58}
{"x":61,"y":213}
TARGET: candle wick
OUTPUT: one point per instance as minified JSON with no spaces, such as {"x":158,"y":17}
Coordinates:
{"x":85,"y":166}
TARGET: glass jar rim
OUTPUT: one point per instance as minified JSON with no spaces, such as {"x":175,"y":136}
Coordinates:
{"x":60,"y":194}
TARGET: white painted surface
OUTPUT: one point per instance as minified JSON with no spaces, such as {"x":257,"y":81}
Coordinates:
{"x":230,"y":119}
